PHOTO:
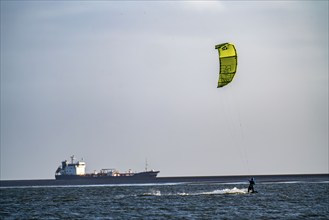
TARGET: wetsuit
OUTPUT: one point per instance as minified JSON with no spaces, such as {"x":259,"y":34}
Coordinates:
{"x":251,"y":185}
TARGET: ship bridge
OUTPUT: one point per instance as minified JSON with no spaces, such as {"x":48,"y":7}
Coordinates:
{"x":73,"y":168}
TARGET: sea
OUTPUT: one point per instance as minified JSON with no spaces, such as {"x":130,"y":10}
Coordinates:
{"x":276,"y":200}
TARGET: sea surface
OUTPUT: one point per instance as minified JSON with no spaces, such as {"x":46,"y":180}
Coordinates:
{"x":280,"y":200}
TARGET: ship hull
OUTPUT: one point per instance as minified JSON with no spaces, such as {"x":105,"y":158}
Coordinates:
{"x":143,"y":176}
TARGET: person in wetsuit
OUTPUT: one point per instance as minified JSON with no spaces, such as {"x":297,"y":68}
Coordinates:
{"x":251,"y":185}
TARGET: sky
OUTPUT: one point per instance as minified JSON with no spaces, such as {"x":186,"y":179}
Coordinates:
{"x":117,"y":83}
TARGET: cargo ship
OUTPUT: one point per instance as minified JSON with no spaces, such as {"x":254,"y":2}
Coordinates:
{"x":77,"y":171}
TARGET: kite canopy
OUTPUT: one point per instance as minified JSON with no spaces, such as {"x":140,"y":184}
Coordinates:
{"x":228,"y":62}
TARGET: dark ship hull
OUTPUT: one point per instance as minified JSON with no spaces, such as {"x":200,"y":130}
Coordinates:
{"x":142,"y":176}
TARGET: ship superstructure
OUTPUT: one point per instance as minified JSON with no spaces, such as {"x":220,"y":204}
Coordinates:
{"x":78,"y":168}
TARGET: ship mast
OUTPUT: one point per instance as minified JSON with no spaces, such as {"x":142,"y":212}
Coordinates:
{"x":146,"y":164}
{"x":72,"y":159}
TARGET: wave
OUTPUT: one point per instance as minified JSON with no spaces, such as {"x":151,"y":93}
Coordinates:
{"x":234,"y":190}
{"x":293,"y":182}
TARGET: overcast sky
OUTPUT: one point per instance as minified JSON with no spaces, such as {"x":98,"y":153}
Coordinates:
{"x":118,"y":82}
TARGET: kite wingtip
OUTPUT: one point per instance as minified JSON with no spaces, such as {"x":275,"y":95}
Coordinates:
{"x":220,"y":45}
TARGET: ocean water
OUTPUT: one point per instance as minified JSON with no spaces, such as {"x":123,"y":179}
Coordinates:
{"x":289,"y":200}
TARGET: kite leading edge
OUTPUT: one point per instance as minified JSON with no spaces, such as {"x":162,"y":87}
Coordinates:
{"x":228,"y":62}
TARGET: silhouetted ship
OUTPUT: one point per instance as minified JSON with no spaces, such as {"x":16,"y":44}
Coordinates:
{"x":76,"y":171}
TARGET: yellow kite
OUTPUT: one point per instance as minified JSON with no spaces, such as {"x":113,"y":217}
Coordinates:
{"x":228,"y":62}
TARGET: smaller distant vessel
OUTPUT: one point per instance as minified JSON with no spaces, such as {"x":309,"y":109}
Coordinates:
{"x":77,"y":171}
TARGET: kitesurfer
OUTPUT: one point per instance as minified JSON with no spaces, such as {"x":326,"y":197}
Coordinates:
{"x":251,"y":185}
